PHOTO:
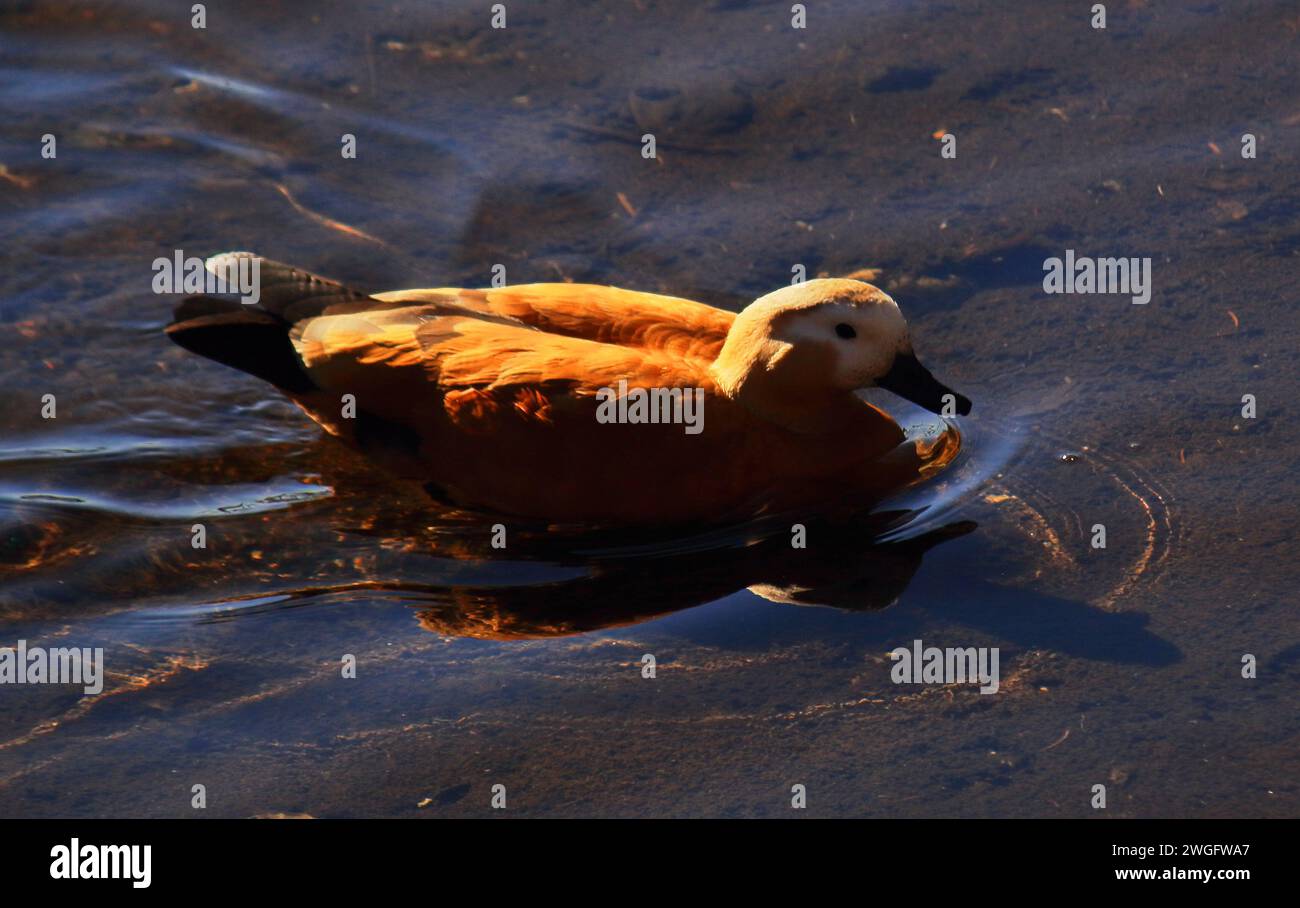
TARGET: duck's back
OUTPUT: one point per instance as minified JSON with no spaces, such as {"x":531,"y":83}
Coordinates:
{"x":610,"y":315}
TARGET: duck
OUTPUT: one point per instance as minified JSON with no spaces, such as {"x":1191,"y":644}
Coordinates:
{"x":501,"y":400}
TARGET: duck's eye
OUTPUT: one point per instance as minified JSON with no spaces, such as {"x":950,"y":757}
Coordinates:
{"x":845,"y":330}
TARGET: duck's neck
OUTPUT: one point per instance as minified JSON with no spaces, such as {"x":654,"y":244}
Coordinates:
{"x":764,"y":376}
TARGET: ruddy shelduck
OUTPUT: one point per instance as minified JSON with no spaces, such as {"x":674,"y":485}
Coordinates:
{"x":516,"y":400}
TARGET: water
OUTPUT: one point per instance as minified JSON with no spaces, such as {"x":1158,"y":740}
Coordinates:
{"x":1120,"y":666}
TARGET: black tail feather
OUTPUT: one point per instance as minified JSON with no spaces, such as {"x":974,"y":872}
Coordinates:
{"x":242,"y":338}
{"x":255,"y":338}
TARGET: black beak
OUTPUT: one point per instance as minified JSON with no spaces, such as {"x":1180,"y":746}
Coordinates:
{"x":912,"y":381}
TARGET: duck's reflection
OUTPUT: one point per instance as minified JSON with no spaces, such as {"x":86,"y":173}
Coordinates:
{"x":840,"y":567}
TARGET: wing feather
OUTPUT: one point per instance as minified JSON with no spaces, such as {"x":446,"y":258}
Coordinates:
{"x":478,"y":370}
{"x":680,"y":328}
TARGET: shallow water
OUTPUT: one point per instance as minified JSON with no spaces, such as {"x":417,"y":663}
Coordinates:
{"x":1120,"y":666}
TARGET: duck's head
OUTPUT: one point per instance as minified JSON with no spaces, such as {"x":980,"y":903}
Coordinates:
{"x":826,"y":336}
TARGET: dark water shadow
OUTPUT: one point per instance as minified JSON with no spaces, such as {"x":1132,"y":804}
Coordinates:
{"x":847,"y":570}
{"x":1033,"y":619}
{"x":842,"y":571}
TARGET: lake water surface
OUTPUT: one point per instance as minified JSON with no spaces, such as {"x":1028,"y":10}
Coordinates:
{"x":777,"y":147}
